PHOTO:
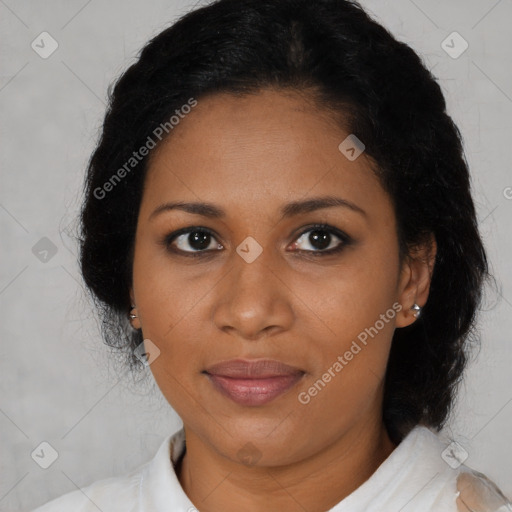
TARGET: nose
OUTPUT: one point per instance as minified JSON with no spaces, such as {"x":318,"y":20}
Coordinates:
{"x":253,"y":301}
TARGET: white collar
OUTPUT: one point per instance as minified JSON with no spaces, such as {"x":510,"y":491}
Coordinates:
{"x":414,"y":474}
{"x":414,"y":478}
{"x":160,"y":489}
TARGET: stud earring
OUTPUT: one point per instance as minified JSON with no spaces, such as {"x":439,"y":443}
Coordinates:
{"x":417,"y":310}
{"x":133,"y":315}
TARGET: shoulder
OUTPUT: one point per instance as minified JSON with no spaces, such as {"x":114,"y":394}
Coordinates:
{"x":428,"y":473}
{"x":112,"y":494}
{"x":472,"y":491}
{"x":151,"y":486}
{"x":476,"y":492}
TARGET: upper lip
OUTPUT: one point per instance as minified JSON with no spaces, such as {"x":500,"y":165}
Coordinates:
{"x":256,"y":369}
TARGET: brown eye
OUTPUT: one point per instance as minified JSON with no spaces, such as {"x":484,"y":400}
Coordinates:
{"x":192,"y":240}
{"x":322,"y":239}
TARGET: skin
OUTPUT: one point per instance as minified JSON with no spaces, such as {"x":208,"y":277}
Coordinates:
{"x":251,"y":155}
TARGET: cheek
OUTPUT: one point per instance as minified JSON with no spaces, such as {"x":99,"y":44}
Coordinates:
{"x":351,"y":358}
{"x":356,"y":292}
{"x":357,"y":307}
{"x":169,"y":313}
{"x":165,"y":291}
{"x":168,"y":302}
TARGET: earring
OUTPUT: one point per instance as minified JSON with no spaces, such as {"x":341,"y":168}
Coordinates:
{"x":417,"y":310}
{"x":133,"y":315}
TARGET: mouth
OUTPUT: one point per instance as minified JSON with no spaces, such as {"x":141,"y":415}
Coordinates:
{"x":253,"y":383}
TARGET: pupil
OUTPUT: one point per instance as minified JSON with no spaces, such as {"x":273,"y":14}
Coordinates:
{"x":199,"y":240}
{"x":319,"y":239}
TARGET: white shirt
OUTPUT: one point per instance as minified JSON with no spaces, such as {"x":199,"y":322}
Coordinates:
{"x":414,"y":478}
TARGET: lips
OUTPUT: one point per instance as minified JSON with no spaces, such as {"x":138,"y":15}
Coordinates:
{"x":253,"y":383}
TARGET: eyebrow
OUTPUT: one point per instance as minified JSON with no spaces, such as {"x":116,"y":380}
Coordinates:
{"x":294,"y":208}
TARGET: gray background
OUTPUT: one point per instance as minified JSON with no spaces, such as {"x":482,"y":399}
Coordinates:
{"x":58,"y":382}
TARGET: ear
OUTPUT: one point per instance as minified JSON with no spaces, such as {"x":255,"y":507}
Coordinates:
{"x":415,"y":279}
{"x":135,"y":322}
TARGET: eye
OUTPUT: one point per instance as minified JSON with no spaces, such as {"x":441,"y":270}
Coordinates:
{"x":317,"y":240}
{"x":321,"y":239}
{"x":192,"y":241}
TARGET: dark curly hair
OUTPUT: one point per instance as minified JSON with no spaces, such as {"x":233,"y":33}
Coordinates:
{"x":333,"y":52}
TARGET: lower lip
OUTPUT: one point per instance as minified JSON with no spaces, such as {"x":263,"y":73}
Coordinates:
{"x":254,"y":391}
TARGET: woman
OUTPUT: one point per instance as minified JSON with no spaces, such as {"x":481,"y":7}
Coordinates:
{"x":278,"y":222}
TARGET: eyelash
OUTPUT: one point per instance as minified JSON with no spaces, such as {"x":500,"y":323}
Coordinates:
{"x":345,"y":240}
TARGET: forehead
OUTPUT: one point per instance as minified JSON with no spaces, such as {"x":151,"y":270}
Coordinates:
{"x":271,"y":146}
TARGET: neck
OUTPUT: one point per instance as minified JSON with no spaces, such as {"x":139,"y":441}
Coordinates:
{"x":214,"y":483}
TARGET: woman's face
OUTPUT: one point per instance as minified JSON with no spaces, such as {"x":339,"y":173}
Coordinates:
{"x":263,"y":284}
